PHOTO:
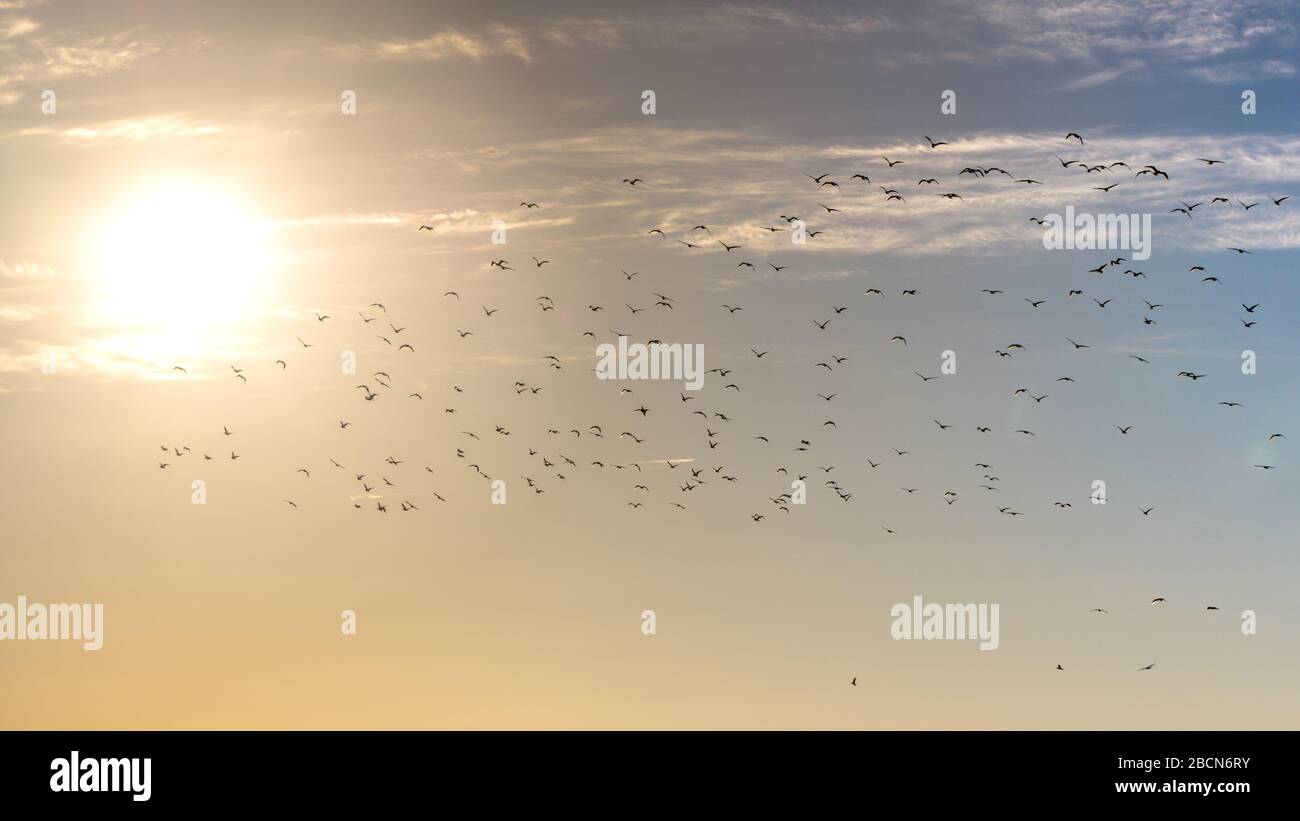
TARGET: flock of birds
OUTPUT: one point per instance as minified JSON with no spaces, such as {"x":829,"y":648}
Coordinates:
{"x":551,"y":461}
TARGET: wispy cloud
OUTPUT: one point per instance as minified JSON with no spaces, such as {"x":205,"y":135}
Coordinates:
{"x":804,"y":19}
{"x":1240,"y":72}
{"x":26,"y":270}
{"x":1101,"y":77}
{"x":33,"y":52}
{"x":744,"y":183}
{"x":447,"y":44}
{"x":17,"y":27}
{"x":1181,"y":35}
{"x":94,"y":56}
{"x":130,"y":129}
{"x":521,"y":41}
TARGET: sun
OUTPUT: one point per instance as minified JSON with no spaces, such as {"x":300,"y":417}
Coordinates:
{"x":180,"y":257}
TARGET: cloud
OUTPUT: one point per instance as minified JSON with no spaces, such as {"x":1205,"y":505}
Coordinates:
{"x":32,"y":53}
{"x":17,"y":27}
{"x":1180,"y":35}
{"x":131,"y":129}
{"x":94,"y":56}
{"x":498,"y":40}
{"x":26,"y":270}
{"x":1101,"y":77}
{"x":803,"y":19}
{"x":570,"y":33}
{"x":744,"y":182}
{"x":1244,"y":72}
{"x":749,"y":21}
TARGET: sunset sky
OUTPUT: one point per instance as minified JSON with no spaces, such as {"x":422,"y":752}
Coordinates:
{"x":198,"y":196}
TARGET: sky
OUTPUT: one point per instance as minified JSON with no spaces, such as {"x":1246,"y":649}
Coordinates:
{"x":196,"y":197}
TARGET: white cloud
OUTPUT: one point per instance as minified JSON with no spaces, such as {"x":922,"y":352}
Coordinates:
{"x":131,"y":129}
{"x":1182,"y":35}
{"x":442,"y":45}
{"x":1101,"y":77}
{"x":17,"y":27}
{"x":743,"y":183}
{"x":25,"y":270}
{"x":94,"y":56}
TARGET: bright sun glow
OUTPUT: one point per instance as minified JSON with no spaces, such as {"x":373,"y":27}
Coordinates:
{"x":180,"y":257}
